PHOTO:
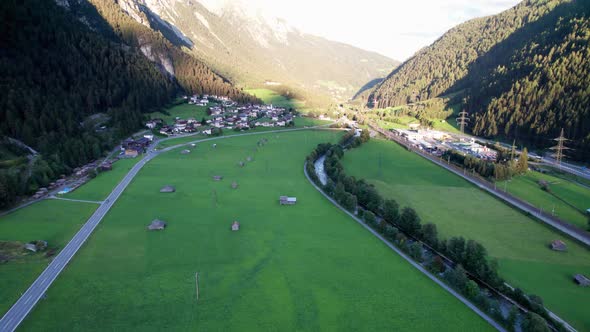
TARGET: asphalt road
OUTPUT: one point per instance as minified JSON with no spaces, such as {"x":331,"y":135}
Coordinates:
{"x":17,"y":313}
{"x":566,"y":167}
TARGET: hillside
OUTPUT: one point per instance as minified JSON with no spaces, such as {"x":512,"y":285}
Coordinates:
{"x":532,"y":90}
{"x":65,"y":72}
{"x":258,"y":51}
{"x":523,"y":73}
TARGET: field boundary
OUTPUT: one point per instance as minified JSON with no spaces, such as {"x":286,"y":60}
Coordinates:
{"x":461,"y":298}
{"x":560,"y":225}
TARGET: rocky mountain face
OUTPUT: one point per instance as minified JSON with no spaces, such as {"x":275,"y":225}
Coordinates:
{"x":258,"y":51}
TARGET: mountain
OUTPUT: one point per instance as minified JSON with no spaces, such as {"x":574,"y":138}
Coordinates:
{"x":65,"y":73}
{"x":259,"y":51}
{"x":522,"y":73}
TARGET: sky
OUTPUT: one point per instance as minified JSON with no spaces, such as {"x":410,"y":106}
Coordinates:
{"x":396,"y":29}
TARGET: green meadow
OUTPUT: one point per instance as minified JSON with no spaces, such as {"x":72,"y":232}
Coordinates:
{"x":54,"y":221}
{"x":519,"y":243}
{"x":302,"y":267}
{"x":183,"y":111}
{"x":271,"y":97}
{"x":100,"y":187}
{"x":567,"y":200}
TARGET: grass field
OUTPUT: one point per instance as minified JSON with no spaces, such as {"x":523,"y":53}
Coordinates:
{"x":302,"y":267}
{"x":184,"y":111}
{"x":100,"y":187}
{"x":577,"y":197}
{"x":271,"y":97}
{"x":54,"y":221}
{"x":519,"y":243}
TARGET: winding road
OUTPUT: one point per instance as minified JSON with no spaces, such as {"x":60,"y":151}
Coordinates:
{"x":19,"y":311}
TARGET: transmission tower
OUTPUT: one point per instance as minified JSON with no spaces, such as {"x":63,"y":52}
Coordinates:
{"x":463,"y":120}
{"x":559,"y":148}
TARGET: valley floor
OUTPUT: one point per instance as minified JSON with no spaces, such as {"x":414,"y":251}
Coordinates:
{"x":302,"y":267}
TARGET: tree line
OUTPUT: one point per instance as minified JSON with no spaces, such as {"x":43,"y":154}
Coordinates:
{"x":499,"y":170}
{"x":404,"y":228}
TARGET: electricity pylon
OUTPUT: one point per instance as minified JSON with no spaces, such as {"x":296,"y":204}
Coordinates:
{"x":463,"y":120}
{"x":560,"y":148}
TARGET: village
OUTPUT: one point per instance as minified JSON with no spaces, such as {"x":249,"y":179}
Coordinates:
{"x":223,"y":113}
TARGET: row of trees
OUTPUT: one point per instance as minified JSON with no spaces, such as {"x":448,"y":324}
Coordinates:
{"x":404,"y":227}
{"x":498,"y":170}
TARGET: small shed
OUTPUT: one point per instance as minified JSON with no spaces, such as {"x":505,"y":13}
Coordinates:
{"x":235,"y":226}
{"x":241,"y":164}
{"x":185,"y":151}
{"x":214,"y":145}
{"x":249,"y":159}
{"x":582,"y":280}
{"x":167,"y":189}
{"x":286,"y":200}
{"x":157,"y":225}
{"x":31,"y":247}
{"x":234,"y":185}
{"x":217,"y":177}
{"x":34,"y":246}
{"x":558,"y":245}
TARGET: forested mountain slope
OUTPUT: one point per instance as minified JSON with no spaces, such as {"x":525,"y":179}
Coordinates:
{"x":523,"y":73}
{"x":192,"y":74}
{"x":61,"y":73}
{"x":436,"y":68}
{"x":537,"y":82}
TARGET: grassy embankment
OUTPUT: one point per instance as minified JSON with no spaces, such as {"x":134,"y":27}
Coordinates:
{"x":567,"y":200}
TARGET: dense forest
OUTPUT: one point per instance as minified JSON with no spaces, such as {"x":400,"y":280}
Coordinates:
{"x":72,"y":87}
{"x":436,"y":68}
{"x":523,"y":73}
{"x":538,"y":85}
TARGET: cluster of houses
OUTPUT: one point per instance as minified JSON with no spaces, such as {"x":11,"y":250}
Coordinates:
{"x":225,"y":114}
{"x":249,"y":116}
{"x":131,"y":148}
{"x":180,"y":126}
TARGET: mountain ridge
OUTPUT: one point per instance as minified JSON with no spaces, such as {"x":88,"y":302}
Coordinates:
{"x":522,"y":74}
{"x":251,"y":50}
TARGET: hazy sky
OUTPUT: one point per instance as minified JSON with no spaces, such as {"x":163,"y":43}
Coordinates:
{"x":394,"y":28}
